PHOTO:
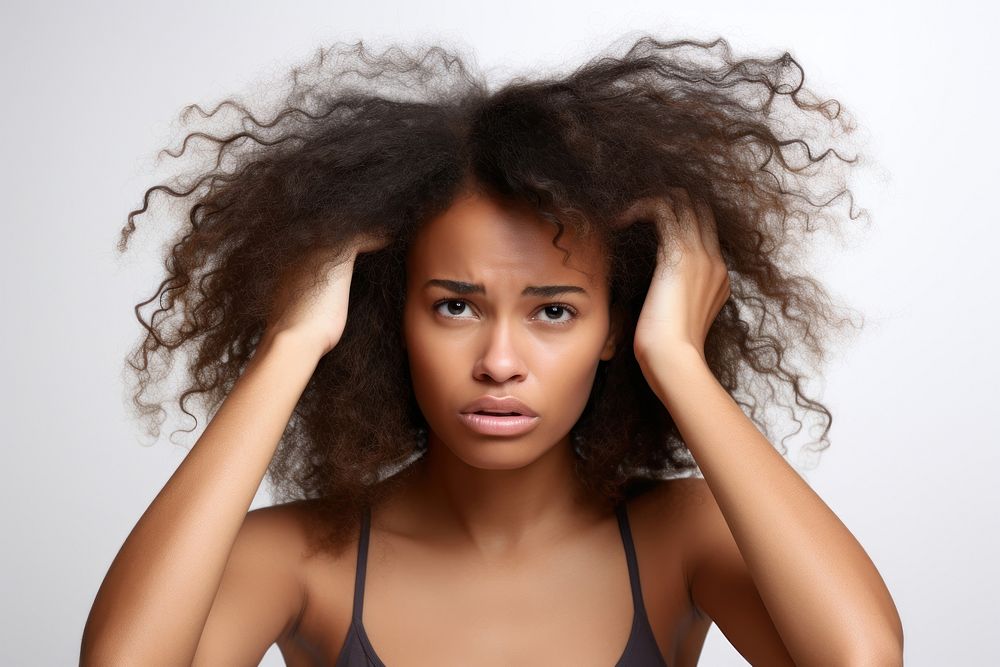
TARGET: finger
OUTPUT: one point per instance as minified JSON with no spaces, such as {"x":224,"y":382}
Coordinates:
{"x":372,"y":242}
{"x":673,"y":242}
{"x":709,"y":229}
{"x":688,"y":227}
{"x":647,"y":208}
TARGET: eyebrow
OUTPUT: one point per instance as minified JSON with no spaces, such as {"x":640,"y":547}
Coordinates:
{"x":461,"y":287}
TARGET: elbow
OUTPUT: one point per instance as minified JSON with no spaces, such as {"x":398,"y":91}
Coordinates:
{"x":886,"y":653}
{"x":92,"y":653}
{"x":883,"y":646}
{"x":89,"y":653}
{"x":102,"y":657}
{"x":97,"y":650}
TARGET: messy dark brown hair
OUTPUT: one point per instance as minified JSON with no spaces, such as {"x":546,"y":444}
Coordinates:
{"x":383,"y":142}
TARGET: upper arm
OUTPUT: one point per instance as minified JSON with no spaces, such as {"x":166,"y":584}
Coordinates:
{"x":720,"y":583}
{"x":260,"y":594}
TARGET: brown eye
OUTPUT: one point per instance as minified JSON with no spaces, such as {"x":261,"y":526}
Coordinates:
{"x":553,"y":312}
{"x":455,"y":307}
{"x":557,"y":309}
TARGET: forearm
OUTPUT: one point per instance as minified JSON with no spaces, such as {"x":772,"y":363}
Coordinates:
{"x":158,"y":592}
{"x":822,"y":591}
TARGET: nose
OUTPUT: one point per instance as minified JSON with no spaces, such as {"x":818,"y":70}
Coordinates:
{"x":500,"y":361}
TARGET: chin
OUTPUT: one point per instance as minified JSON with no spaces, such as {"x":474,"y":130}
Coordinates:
{"x":496,"y":453}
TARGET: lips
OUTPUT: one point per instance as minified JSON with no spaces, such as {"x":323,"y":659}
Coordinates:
{"x":493,"y":425}
{"x":498,"y":406}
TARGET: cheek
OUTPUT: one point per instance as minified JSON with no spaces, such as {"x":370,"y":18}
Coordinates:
{"x":429,"y":364}
{"x":567,"y":377}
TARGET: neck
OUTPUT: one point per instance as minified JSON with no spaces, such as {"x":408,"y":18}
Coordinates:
{"x":499,"y":512}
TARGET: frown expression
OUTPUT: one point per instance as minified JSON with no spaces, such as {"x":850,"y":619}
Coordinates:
{"x":463,"y":342}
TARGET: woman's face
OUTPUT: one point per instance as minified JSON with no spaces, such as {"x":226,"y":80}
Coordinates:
{"x":473,"y":327}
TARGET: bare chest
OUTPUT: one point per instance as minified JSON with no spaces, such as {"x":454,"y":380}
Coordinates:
{"x":571,"y":604}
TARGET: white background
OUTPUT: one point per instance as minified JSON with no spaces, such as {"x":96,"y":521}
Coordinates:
{"x":92,"y":91}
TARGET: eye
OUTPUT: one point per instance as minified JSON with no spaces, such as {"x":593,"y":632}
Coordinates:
{"x":559,"y":308}
{"x":456,"y":306}
{"x":459,"y":303}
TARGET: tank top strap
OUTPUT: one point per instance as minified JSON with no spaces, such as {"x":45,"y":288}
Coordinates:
{"x":362,"y":566}
{"x":633,"y":564}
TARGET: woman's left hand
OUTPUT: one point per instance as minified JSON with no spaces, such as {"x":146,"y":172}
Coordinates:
{"x":690,"y":283}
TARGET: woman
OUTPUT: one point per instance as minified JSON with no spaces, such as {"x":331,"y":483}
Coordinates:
{"x":479,"y":341}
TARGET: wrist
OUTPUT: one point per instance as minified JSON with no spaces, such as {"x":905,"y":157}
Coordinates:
{"x":669,"y":357}
{"x":293,"y":342}
{"x":671,"y":368}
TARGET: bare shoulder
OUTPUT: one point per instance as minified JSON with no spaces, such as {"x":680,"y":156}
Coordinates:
{"x":275,"y":539}
{"x":663,"y":514}
{"x":683,"y":524}
{"x":261,"y":594}
{"x":321,"y":582}
{"x":669,"y":498}
{"x":690,"y":503}
{"x":719,"y":583}
{"x":287,"y":520}
{"x":684,"y":513}
{"x":673,"y":508}
{"x":279,"y":537}
{"x":281,"y":534}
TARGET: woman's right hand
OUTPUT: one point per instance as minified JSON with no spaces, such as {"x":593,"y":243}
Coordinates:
{"x":311,"y":298}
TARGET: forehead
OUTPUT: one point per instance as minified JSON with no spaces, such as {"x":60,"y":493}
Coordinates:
{"x":478,"y":237}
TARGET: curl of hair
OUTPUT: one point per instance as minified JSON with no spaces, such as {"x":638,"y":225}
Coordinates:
{"x":383,"y":142}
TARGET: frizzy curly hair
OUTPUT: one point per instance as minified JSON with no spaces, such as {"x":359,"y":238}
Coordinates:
{"x":381,"y":143}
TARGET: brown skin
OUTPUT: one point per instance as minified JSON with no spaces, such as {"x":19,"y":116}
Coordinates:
{"x":488,"y":552}
{"x":434,"y":598}
{"x":579,"y":149}
{"x":502,"y":495}
{"x":490,"y":513}
{"x":820,"y":588}
{"x":492,"y":538}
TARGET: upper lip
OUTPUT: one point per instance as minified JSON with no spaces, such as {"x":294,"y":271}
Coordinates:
{"x":495,"y":404}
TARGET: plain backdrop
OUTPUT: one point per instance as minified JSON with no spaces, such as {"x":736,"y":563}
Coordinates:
{"x":91,"y":91}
